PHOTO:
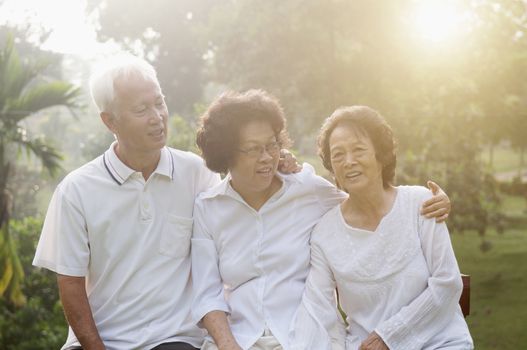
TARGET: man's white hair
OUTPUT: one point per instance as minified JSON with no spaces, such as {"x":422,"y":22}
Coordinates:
{"x":105,"y":74}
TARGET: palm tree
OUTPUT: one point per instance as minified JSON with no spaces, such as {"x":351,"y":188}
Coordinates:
{"x":24,"y":91}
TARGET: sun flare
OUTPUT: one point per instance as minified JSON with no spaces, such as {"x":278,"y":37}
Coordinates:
{"x":437,"y":21}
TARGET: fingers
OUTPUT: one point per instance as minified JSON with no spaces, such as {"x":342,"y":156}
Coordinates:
{"x":432,"y":205}
{"x":442,"y":218}
{"x":432,"y":186}
{"x":436,"y":213}
{"x":288,"y":163}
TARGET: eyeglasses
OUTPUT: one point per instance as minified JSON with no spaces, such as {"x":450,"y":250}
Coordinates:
{"x":273,"y":148}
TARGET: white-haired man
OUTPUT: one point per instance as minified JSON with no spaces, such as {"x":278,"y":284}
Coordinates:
{"x":117,"y":231}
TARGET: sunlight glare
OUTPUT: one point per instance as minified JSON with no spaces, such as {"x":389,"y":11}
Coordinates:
{"x":437,"y":21}
{"x":71,"y":31}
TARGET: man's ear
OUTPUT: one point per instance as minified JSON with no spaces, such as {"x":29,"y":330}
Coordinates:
{"x":109,"y":120}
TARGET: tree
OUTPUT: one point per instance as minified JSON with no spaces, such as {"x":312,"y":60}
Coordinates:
{"x":24,"y":91}
{"x":40,"y":323}
{"x":167,"y":33}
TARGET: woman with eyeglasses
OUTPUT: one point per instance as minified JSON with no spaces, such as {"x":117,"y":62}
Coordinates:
{"x":250,"y":244}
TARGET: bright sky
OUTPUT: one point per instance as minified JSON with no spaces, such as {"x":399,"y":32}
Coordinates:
{"x":438,"y":21}
{"x":72,"y":31}
{"x":432,"y":21}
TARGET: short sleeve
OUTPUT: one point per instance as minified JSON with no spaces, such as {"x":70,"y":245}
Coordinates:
{"x":63,"y":246}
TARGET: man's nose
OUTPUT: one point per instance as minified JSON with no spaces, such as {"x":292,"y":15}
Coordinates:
{"x":154,"y":115}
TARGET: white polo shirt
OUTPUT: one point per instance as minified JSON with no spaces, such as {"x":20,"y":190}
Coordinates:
{"x":253,"y":264}
{"x":131,"y":240}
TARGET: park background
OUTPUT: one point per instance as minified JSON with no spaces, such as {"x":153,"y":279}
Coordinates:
{"x":449,"y":76}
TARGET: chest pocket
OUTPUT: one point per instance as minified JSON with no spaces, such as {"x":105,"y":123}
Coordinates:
{"x":175,"y":238}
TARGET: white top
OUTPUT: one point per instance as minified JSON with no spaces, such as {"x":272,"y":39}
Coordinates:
{"x":131,"y":240}
{"x":253,"y":264}
{"x":401,"y":280}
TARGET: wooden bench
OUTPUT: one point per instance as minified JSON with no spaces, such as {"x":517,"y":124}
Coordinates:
{"x":464,"y":300}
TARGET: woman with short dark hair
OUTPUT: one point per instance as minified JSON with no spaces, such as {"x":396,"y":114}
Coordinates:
{"x":395,"y":270}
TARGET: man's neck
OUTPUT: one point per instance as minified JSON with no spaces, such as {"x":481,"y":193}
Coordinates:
{"x":143,"y":162}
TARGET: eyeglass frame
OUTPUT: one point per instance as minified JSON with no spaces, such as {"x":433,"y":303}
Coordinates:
{"x":260,"y":149}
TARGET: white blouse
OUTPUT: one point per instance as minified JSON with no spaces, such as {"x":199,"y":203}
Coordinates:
{"x":253,"y":264}
{"x":401,"y":281}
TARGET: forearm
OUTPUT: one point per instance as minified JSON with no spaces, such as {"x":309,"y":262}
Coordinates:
{"x":218,"y":327}
{"x":78,"y":313}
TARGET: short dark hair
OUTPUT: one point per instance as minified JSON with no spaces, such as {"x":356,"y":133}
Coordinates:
{"x":218,"y":135}
{"x":373,"y":125}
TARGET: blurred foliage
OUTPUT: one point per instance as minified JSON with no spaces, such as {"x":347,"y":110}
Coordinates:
{"x":39,"y":323}
{"x":24,"y":91}
{"x":166,"y":33}
{"x":445,"y":101}
{"x":182,"y":134}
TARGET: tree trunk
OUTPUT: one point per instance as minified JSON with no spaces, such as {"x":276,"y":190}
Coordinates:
{"x":491,"y":156}
{"x":522,"y":164}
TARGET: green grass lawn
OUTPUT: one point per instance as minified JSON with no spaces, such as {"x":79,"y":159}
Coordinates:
{"x":498,"y":318}
{"x":515,"y":206}
{"x":505,"y":159}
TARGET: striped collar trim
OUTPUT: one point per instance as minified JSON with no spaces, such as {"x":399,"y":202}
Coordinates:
{"x":120,"y":172}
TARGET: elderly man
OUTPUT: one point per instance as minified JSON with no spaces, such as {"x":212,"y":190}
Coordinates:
{"x":117,"y":231}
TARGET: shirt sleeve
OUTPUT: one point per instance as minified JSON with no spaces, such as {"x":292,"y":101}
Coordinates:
{"x":431,"y":311}
{"x":318,"y":323}
{"x":63,"y":246}
{"x":327,"y":194}
{"x":206,"y":279}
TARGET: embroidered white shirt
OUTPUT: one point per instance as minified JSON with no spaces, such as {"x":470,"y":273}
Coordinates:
{"x":253,"y":264}
{"x":130,"y":239}
{"x":401,"y":280}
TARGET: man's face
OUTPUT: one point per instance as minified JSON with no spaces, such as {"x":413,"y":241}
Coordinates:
{"x":140,"y":114}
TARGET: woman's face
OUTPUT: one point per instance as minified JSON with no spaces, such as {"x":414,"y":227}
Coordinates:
{"x":353,"y":160}
{"x":257,"y":161}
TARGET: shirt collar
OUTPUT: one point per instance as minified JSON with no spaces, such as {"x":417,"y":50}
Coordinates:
{"x":120,"y":172}
{"x":224,"y":188}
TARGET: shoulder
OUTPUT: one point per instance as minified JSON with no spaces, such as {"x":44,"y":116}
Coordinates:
{"x":307,"y":176}
{"x":410,"y":200}
{"x":186,"y":158}
{"x":327,"y":225}
{"x":85,"y":173}
{"x":213,"y":192}
{"x":191,"y":166}
{"x":414,"y":193}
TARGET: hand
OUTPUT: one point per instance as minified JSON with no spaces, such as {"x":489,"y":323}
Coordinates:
{"x":231,"y":347}
{"x":288,"y":163}
{"x":438,"y":206}
{"x":373,"y":342}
